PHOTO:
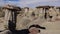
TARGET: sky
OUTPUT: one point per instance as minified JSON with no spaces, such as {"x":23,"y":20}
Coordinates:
{"x":30,"y":3}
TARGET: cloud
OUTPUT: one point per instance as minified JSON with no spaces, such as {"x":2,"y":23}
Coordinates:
{"x":10,"y":0}
{"x":36,"y":1}
{"x":3,"y":2}
{"x":31,"y":3}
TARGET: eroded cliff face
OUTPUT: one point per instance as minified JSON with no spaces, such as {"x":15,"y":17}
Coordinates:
{"x":52,"y":27}
{"x":36,"y":16}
